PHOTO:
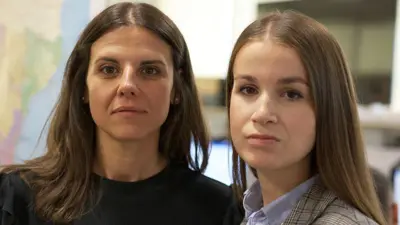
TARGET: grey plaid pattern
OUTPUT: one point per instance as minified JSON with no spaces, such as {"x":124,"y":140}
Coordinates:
{"x":320,"y":206}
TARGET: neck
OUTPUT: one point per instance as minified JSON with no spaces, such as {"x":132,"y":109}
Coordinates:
{"x":127,"y":161}
{"x":276,"y":183}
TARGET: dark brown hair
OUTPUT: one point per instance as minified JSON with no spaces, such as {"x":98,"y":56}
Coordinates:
{"x":338,"y":154}
{"x":71,"y":136}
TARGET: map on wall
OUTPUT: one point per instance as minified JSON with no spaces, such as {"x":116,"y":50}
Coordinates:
{"x":34,"y":46}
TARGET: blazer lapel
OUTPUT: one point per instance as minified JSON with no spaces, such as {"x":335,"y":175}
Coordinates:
{"x":311,"y":205}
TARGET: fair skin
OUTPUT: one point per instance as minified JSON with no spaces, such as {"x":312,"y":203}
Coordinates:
{"x":272,"y":121}
{"x":129,"y":91}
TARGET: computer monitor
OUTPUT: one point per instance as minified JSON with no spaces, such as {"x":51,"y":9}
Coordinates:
{"x":220,"y":162}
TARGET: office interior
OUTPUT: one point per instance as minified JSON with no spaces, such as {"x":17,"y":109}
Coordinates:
{"x":34,"y":46}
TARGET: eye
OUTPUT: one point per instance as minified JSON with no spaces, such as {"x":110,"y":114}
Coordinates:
{"x":150,"y":70}
{"x":248,"y":90}
{"x":109,"y":70}
{"x":292,"y":95}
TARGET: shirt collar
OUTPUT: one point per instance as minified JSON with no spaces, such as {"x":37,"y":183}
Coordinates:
{"x":253,"y":203}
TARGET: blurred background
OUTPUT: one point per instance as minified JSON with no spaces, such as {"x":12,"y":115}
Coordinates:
{"x":36,"y":38}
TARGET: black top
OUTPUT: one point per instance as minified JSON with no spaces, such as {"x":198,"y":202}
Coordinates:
{"x":174,"y":196}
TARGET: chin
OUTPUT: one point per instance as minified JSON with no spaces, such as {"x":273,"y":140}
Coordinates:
{"x":265,"y":165}
{"x":129,"y":134}
{"x":262,"y":160}
{"x":126,"y":138}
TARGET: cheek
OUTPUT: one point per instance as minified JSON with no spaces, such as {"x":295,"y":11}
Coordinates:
{"x":160,"y":96}
{"x":301,"y":126}
{"x":162,"y":99}
{"x":240,"y":110}
{"x":99,"y":101}
{"x":239,"y":114}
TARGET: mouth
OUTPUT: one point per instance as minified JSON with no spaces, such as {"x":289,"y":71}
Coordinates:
{"x":262,"y":137}
{"x":129,"y":110}
{"x":261,"y":140}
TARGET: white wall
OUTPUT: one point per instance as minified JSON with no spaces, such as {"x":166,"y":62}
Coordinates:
{"x":210,"y":28}
{"x":207,"y":26}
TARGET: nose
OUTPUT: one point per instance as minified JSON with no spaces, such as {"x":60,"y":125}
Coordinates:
{"x":265,"y":111}
{"x":128,"y":83}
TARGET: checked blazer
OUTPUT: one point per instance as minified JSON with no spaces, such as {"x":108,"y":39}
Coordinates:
{"x":320,"y":206}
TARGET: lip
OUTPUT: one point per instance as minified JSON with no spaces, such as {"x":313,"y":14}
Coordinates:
{"x":262,"y":137}
{"x":128,"y":109}
{"x":261,"y":140}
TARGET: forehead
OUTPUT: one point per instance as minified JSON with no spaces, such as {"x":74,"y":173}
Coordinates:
{"x":131,"y":41}
{"x":266,"y":59}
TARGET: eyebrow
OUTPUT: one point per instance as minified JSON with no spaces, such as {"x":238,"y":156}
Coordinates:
{"x":285,"y":80}
{"x":293,"y":79}
{"x":245,"y":77}
{"x":151,"y":62}
{"x":144,"y":62}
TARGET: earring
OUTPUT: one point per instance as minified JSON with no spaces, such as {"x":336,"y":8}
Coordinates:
{"x":175,"y":101}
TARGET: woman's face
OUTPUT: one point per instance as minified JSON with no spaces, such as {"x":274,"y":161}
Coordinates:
{"x":272,"y":120}
{"x":130,"y":83}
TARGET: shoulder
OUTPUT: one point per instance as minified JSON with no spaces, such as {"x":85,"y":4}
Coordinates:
{"x":198,"y":182}
{"x":340,"y":213}
{"x":205,"y":186}
{"x":196,"y":187}
{"x":214,"y":196}
{"x":11,"y":184}
{"x":212,"y":185}
{"x":321,"y":206}
{"x":14,"y":196}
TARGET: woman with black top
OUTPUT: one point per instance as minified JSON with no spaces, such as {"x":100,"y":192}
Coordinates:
{"x":118,"y":146}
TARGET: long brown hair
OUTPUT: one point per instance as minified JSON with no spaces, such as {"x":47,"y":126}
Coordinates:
{"x":62,"y":179}
{"x":338,"y":154}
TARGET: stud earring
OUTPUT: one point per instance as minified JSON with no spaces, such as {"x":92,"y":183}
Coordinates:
{"x":175,"y":101}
